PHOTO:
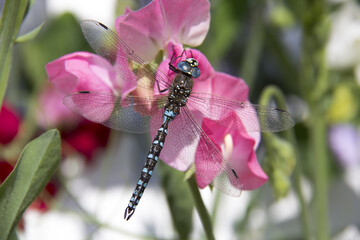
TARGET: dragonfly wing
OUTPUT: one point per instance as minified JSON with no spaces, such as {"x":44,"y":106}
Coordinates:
{"x":125,"y":61}
{"x":188,"y":147}
{"x":130,"y":114}
{"x":251,"y":117}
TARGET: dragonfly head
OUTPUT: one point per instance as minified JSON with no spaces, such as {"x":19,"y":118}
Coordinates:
{"x":189,"y":67}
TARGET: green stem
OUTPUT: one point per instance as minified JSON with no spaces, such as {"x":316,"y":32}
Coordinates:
{"x":216,"y":205}
{"x":318,"y":144}
{"x":244,"y":222}
{"x":314,"y":86}
{"x":200,"y":207}
{"x":275,"y":93}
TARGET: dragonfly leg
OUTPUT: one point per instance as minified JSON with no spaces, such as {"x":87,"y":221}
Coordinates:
{"x":171,"y":66}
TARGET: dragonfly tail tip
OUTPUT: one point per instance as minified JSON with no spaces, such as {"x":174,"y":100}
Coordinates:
{"x":128,"y":213}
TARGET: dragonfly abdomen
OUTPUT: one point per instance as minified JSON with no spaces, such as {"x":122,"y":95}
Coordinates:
{"x":177,"y":98}
{"x":147,"y":171}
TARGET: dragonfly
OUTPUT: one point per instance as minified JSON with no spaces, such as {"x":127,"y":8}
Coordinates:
{"x":170,"y":111}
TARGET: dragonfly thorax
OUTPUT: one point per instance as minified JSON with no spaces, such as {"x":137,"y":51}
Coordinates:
{"x":179,"y":93}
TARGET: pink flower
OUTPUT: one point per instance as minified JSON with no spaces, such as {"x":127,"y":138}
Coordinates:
{"x":86,"y":139}
{"x":79,"y":71}
{"x":9,"y":123}
{"x":242,"y":157}
{"x":148,"y":30}
{"x":83,"y":71}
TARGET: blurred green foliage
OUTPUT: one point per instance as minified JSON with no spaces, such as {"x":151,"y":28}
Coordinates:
{"x":60,"y":36}
{"x":279,"y":164}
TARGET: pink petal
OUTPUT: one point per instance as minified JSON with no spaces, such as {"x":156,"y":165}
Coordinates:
{"x":187,"y":21}
{"x":149,"y":29}
{"x":180,"y":145}
{"x":82,"y":71}
{"x":230,"y":87}
{"x":52,"y":112}
{"x":176,"y":54}
{"x":209,"y":169}
{"x":243,"y":158}
{"x":244,"y":162}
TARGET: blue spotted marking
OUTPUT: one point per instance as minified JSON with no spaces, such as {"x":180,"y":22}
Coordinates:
{"x":130,"y":205}
{"x":156,"y":142}
{"x":150,"y":172}
{"x":169,"y":114}
{"x":140,"y":195}
{"x":144,"y":170}
{"x":140,"y":182}
{"x":161,"y":144}
{"x":165,"y":118}
{"x":156,"y":158}
{"x":150,"y":156}
{"x":145,"y":184}
{"x":135,"y":192}
{"x":132,"y":199}
{"x":137,"y":201}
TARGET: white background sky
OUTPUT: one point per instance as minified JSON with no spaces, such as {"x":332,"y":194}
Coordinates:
{"x":102,"y":11}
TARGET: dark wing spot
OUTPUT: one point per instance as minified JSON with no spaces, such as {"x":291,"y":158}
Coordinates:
{"x":84,"y":92}
{"x":234,"y":173}
{"x":280,"y":110}
{"x":103,"y":26}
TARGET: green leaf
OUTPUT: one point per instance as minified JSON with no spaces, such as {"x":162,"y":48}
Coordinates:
{"x":36,"y":165}
{"x":11,"y":18}
{"x":13,"y":235}
{"x":179,"y":199}
{"x":30,"y":35}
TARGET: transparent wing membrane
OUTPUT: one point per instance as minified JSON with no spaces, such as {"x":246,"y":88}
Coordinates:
{"x":129,"y":114}
{"x":253,"y":118}
{"x":108,"y":45}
